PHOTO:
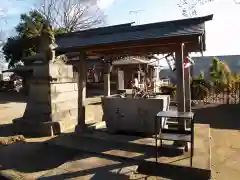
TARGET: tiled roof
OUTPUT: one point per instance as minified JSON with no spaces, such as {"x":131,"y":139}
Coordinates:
{"x":127,"y":32}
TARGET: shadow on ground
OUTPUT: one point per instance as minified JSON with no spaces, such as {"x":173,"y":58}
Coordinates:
{"x":224,"y":116}
{"x":6,"y":130}
{"x":33,"y":157}
{"x":59,"y":162}
{"x":8,"y":97}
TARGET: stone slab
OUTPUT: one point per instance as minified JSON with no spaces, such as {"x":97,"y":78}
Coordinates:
{"x":50,"y":80}
{"x":53,"y":70}
{"x":36,"y":116}
{"x":53,"y":97}
{"x":53,"y":88}
{"x":64,"y":87}
{"x":130,"y":150}
{"x":34,"y":108}
{"x":28,"y":128}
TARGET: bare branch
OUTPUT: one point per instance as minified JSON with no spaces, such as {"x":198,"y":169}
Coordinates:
{"x":71,"y":15}
{"x":188,"y":7}
{"x":236,"y":1}
{"x":2,"y":39}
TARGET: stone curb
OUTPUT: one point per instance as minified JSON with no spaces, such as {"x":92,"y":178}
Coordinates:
{"x":10,"y":175}
{"x":4,"y":177}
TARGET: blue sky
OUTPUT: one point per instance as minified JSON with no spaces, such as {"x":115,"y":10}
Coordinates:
{"x":222,"y":33}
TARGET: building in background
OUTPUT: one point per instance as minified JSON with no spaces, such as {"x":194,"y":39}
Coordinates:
{"x":202,"y":64}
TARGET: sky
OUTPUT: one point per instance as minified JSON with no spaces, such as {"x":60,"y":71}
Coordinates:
{"x":222,"y":33}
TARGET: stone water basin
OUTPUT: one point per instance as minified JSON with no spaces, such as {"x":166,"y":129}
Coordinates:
{"x":133,"y":115}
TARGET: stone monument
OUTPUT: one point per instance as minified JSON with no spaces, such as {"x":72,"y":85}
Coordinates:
{"x":52,"y":105}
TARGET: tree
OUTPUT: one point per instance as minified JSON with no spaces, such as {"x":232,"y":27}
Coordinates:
{"x":19,"y":46}
{"x":71,"y":15}
{"x":188,"y":7}
{"x":29,"y":27}
{"x":2,"y":38}
{"x":63,"y":15}
{"x":1,"y":45}
{"x":2,"y":13}
{"x":219,"y":72}
{"x":201,"y":76}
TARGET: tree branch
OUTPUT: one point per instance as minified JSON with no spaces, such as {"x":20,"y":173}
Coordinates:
{"x":188,"y":7}
{"x":71,"y":15}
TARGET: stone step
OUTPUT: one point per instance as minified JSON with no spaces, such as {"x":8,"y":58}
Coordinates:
{"x":138,"y":142}
{"x":172,"y":122}
{"x":139,"y":149}
{"x":99,"y":131}
{"x":40,"y":128}
{"x":101,"y":126}
{"x":175,"y":137}
{"x":135,"y":148}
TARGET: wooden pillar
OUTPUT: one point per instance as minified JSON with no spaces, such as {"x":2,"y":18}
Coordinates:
{"x":107,"y":89}
{"x":139,"y":73}
{"x":180,"y":82}
{"x":157,"y":73}
{"x":187,"y":80}
{"x":120,"y":79}
{"x":191,"y":71}
{"x":82,"y":78}
{"x":151,"y":69}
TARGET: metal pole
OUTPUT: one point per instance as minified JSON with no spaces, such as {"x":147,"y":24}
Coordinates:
{"x":137,"y":12}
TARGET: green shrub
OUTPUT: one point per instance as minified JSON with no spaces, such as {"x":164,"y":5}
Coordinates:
{"x":205,"y":83}
{"x":169,"y":90}
{"x":200,"y":88}
{"x":199,"y":91}
{"x":201,"y":76}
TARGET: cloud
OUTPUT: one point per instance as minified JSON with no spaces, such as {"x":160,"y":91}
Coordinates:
{"x":9,"y":9}
{"x":103,"y":4}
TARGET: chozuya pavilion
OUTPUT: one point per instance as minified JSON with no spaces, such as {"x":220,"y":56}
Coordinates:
{"x":56,"y":102}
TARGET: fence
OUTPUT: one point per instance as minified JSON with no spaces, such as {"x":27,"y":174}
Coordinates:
{"x":225,"y":94}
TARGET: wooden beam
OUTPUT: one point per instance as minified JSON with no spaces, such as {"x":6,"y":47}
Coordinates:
{"x":139,"y":43}
{"x":82,"y":77}
{"x":144,"y":50}
{"x":180,"y":82}
{"x":187,"y":82}
{"x":106,"y":76}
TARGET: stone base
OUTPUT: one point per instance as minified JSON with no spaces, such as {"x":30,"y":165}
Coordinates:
{"x":79,"y":129}
{"x":27,"y":128}
{"x":11,"y":140}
